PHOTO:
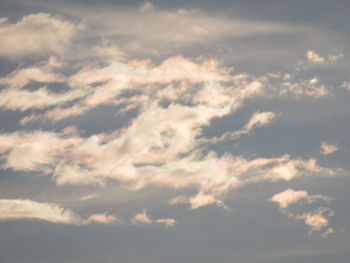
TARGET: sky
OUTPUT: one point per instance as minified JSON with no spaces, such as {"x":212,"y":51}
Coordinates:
{"x":174,"y":131}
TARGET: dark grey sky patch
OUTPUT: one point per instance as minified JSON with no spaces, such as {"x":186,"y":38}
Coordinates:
{"x":10,"y":120}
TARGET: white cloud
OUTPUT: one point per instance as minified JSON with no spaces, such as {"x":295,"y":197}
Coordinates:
{"x":308,"y":88}
{"x":74,"y":175}
{"x":259,"y":119}
{"x":290,"y":196}
{"x":33,"y":151}
{"x":162,"y":145}
{"x":172,"y":79}
{"x":38,"y":99}
{"x":102,"y":219}
{"x":166,"y":221}
{"x":37,"y":73}
{"x":293,"y":168}
{"x":143,"y":72}
{"x":199,"y":200}
{"x":145,"y":153}
{"x":36,"y":34}
{"x":19,"y":209}
{"x":284,"y":199}
{"x":176,"y":79}
{"x":163,"y":31}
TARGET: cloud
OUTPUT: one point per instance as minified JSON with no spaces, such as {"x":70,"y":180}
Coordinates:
{"x":86,"y":197}
{"x":317,"y":220}
{"x":36,"y":34}
{"x":164,"y":31}
{"x":166,"y":221}
{"x":164,"y":144}
{"x":176,"y":79}
{"x":314,"y":57}
{"x":328,"y":148}
{"x":138,"y":157}
{"x":102,"y":219}
{"x":346,"y":85}
{"x":33,"y":151}
{"x":308,"y":88}
{"x":284,"y":199}
{"x":43,"y":73}
{"x":199,"y":200}
{"x":20,"y":209}
{"x":143,"y":72}
{"x":147,"y":6}
{"x":14,"y":97}
{"x":38,"y":99}
{"x":74,"y":175}
{"x":172,"y":79}
{"x":293,"y":168}
{"x":143,"y":218}
{"x":290,"y":196}
{"x":258,"y":119}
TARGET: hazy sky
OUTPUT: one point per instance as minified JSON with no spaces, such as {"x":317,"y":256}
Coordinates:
{"x":174,"y":131}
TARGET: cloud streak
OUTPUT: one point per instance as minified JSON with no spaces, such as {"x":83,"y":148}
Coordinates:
{"x":21,"y":209}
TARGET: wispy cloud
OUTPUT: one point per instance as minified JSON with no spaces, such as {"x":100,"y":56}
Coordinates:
{"x":19,"y":209}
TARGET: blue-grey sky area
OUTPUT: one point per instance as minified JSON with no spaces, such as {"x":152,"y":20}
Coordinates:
{"x":174,"y":131}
